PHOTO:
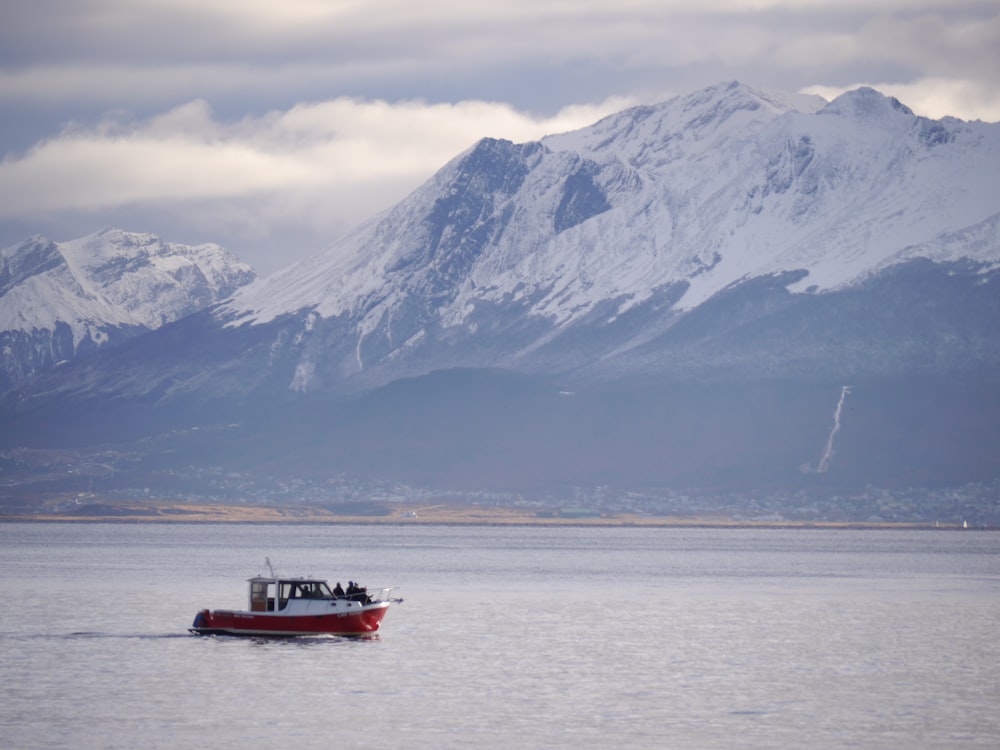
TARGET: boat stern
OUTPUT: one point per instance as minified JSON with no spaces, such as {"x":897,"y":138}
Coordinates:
{"x":202,"y":622}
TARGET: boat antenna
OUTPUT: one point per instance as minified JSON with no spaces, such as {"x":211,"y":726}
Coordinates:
{"x":267,"y":560}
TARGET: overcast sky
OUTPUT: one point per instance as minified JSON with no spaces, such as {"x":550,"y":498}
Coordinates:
{"x":273,"y":126}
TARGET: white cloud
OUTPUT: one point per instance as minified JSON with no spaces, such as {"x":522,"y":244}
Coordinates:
{"x":186,"y":153}
{"x":324,"y":165}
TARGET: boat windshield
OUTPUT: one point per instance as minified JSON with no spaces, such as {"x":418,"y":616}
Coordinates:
{"x":305,"y":590}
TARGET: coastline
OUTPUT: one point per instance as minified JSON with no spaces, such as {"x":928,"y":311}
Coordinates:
{"x":418,"y":515}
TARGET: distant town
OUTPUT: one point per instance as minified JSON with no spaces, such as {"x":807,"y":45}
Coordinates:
{"x":39,"y":483}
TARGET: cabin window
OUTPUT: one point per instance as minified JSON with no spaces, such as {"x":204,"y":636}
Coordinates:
{"x":314,"y":590}
{"x":258,"y":597}
{"x":285,"y":591}
{"x":303,"y":590}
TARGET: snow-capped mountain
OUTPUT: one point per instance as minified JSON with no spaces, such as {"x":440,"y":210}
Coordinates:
{"x":726,"y":288}
{"x":559,"y":255}
{"x":60,"y":299}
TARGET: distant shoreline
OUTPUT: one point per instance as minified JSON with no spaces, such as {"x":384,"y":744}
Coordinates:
{"x":415,"y":515}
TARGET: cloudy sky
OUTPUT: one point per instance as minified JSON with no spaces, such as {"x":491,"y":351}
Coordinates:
{"x":271,"y":127}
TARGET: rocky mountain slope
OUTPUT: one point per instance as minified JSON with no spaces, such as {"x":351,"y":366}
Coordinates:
{"x":568,"y":255}
{"x":61,"y":300}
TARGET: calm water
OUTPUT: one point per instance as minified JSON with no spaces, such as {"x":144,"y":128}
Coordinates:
{"x":508,"y":638}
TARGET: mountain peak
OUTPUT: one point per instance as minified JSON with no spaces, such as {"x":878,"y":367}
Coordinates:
{"x":653,"y":134}
{"x":56,"y":297}
{"x":665,"y":205}
{"x":867,"y":104}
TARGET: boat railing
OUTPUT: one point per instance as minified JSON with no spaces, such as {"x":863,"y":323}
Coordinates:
{"x":371,"y":596}
{"x":383,"y":595}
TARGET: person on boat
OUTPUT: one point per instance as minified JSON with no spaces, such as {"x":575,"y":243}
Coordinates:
{"x":354,"y":592}
{"x":357,"y":593}
{"x":338,"y":591}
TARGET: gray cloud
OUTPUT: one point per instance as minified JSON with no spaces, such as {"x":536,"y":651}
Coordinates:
{"x":269,"y":127}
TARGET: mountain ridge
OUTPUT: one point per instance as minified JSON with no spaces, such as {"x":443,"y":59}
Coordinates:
{"x":670,"y":264}
{"x":59,"y":300}
{"x":712,"y":190}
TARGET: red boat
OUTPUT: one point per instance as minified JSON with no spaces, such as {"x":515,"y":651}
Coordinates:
{"x":299,"y":606}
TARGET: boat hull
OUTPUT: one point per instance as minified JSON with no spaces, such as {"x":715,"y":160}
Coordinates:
{"x":359,"y":622}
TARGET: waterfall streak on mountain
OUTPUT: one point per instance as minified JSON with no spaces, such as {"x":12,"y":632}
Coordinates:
{"x":824,"y":462}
